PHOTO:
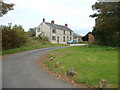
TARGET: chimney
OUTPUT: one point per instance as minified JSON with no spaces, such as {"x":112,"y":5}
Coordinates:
{"x":52,"y":22}
{"x":66,"y":25}
{"x":43,"y":19}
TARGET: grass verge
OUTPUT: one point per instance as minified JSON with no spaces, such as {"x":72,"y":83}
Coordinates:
{"x":91,"y":63}
{"x":30,"y":47}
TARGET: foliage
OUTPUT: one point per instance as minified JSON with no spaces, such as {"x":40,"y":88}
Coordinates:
{"x":106,"y":30}
{"x":16,"y":37}
{"x":13,"y":36}
{"x":42,"y":38}
{"x":31,"y":31}
{"x":29,"y":47}
{"x":4,"y":8}
{"x":91,"y":63}
{"x":0,"y":38}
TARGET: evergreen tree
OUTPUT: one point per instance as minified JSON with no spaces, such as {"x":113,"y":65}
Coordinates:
{"x":4,"y":8}
{"x":106,"y":29}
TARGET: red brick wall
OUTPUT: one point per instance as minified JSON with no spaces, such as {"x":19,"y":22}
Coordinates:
{"x":91,"y":38}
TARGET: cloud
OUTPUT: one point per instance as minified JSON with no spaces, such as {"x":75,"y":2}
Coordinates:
{"x":108,"y":0}
{"x":29,"y":13}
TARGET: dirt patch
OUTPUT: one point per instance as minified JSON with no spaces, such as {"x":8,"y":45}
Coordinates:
{"x":64,"y":77}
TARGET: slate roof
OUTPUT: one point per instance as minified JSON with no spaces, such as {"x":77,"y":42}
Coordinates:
{"x":59,"y":27}
{"x":74,"y":34}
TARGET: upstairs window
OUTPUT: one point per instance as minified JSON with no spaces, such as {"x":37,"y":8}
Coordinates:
{"x":53,"y":37}
{"x":70,"y":38}
{"x":70,"y":33}
{"x":53,"y":31}
{"x":64,"y":32}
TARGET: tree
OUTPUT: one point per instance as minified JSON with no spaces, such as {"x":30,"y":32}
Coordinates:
{"x":13,"y":37}
{"x":4,"y":7}
{"x":107,"y":20}
{"x":32,"y":32}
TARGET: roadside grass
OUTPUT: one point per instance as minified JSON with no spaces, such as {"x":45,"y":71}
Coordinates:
{"x":29,"y":47}
{"x":91,"y":63}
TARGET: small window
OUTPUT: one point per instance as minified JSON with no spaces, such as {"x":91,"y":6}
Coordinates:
{"x":70,"y":33}
{"x":70,"y":38}
{"x":53,"y":37}
{"x":64,"y":32}
{"x":53,"y":31}
{"x":67,"y":39}
{"x":63,"y":38}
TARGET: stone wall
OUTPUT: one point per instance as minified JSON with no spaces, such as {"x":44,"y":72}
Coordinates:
{"x":91,"y":38}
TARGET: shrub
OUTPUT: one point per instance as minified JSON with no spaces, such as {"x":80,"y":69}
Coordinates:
{"x":13,"y":37}
{"x":42,"y":39}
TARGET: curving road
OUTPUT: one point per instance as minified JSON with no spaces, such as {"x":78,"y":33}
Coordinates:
{"x":21,"y":70}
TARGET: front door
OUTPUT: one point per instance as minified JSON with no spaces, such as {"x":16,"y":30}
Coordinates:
{"x":58,"y":39}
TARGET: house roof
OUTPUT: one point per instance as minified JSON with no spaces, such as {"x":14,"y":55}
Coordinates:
{"x":59,"y":27}
{"x":76,"y":35}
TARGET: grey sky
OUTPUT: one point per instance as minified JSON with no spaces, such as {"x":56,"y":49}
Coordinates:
{"x":108,"y":0}
{"x":29,"y":13}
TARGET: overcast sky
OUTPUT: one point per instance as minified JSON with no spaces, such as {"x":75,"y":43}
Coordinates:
{"x":29,"y":13}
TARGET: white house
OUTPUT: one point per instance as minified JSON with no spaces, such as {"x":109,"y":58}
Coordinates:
{"x":55,"y":33}
{"x":77,"y":37}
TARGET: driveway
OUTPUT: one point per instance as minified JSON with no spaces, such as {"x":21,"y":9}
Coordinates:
{"x":21,"y":70}
{"x":78,"y":44}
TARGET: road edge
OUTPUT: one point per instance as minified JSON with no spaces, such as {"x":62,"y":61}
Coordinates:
{"x":69,"y":80}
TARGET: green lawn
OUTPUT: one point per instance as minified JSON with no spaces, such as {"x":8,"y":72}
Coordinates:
{"x":91,"y":63}
{"x":29,"y":47}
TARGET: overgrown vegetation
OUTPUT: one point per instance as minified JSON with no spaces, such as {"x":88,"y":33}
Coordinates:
{"x":106,"y":30}
{"x":29,"y":47}
{"x":15,"y":39}
{"x":31,"y":32}
{"x":92,"y":63}
{"x":15,"y":36}
{"x":41,"y":38}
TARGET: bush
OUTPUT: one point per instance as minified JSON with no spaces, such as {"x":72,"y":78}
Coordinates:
{"x":42,"y":39}
{"x":13,"y":37}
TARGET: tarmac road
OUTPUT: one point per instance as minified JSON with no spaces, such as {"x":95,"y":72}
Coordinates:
{"x":21,"y":70}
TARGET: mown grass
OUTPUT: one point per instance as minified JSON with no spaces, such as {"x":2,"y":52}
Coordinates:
{"x":28,"y":47}
{"x":91,"y":63}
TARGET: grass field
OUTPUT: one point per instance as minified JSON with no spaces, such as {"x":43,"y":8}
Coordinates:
{"x":91,"y":63}
{"x":29,"y":47}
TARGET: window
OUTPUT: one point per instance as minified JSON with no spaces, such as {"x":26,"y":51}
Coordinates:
{"x":70,"y":33}
{"x":64,"y":32}
{"x":53,"y":31}
{"x":53,"y":37}
{"x":70,"y":38}
{"x":67,"y":39}
{"x":63,"y":38}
